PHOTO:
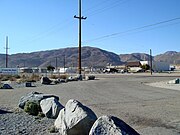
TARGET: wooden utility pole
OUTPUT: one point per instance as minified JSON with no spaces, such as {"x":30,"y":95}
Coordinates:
{"x":6,"y":48}
{"x":56,"y":64}
{"x":151,"y":61}
{"x":80,"y":18}
{"x":64,"y":62}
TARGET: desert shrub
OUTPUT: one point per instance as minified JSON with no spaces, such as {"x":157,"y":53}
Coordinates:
{"x":63,"y":76}
{"x":33,"y":78}
{"x":9,"y":77}
{"x":54,"y":76}
{"x":145,"y":67}
{"x":32,"y":108}
{"x":5,"y":77}
{"x":17,"y":76}
{"x":41,"y":115}
{"x":53,"y":129}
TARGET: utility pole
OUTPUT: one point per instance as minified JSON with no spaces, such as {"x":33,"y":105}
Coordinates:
{"x":80,"y":18}
{"x":151,"y":61}
{"x":64,"y":62}
{"x":6,"y":48}
{"x":56,"y":63}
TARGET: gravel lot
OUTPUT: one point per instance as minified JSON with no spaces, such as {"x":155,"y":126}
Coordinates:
{"x":149,"y":110}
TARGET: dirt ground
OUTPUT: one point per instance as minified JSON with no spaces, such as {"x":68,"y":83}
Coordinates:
{"x":149,"y":110}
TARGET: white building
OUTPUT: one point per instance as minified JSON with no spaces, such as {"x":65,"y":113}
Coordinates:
{"x":157,"y":65}
{"x":9,"y":71}
{"x":160,"y":66}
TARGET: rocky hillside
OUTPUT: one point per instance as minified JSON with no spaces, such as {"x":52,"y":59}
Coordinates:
{"x":172,"y":57}
{"x":90,"y":57}
{"x":134,"y":57}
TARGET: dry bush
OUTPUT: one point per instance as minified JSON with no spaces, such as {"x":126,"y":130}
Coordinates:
{"x":63,"y":76}
{"x":33,"y":78}
{"x":54,"y":77}
{"x":9,"y":77}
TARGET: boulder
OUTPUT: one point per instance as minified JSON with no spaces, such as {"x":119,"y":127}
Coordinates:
{"x":51,"y":107}
{"x":62,"y":80}
{"x":72,"y":78}
{"x":75,"y":119}
{"x":6,"y":86}
{"x":110,"y":125}
{"x":90,"y":77}
{"x":175,"y":81}
{"x":34,"y":96}
{"x":45,"y":80}
{"x":28,"y":84}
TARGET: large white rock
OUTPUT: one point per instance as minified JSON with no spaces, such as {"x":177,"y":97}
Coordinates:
{"x":110,"y":125}
{"x":75,"y":119}
{"x":34,"y":96}
{"x":51,"y":107}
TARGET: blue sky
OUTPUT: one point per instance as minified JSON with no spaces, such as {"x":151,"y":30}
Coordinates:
{"x":36,"y":25}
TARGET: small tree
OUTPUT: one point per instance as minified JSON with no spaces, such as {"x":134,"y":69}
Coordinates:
{"x":145,"y":67}
{"x":50,"y":68}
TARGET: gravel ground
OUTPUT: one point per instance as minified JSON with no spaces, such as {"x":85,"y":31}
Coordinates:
{"x":15,"y":122}
{"x":149,"y":110}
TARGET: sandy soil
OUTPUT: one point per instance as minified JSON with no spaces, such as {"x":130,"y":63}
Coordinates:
{"x":149,"y":110}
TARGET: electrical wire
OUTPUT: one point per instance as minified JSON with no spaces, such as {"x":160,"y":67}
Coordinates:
{"x":62,"y":25}
{"x":132,"y":30}
{"x":110,"y":6}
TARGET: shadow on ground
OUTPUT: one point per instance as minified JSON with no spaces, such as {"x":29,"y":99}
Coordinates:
{"x":4,"y":111}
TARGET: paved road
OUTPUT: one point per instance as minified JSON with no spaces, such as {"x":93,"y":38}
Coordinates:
{"x":149,"y":110}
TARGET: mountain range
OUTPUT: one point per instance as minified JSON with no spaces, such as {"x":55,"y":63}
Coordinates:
{"x":91,"y":56}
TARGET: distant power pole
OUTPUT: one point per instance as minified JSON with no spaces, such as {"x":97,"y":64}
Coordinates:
{"x":56,"y":63}
{"x":80,"y":18}
{"x":6,"y":48}
{"x":64,"y":62}
{"x":151,"y":61}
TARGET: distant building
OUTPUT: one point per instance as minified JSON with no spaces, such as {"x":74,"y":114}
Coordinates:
{"x":133,"y":64}
{"x":9,"y":71}
{"x":160,"y":66}
{"x":157,"y":65}
{"x":32,"y":70}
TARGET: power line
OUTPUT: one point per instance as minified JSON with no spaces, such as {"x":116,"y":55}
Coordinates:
{"x":131,"y":30}
{"x":62,"y":25}
{"x":110,"y":6}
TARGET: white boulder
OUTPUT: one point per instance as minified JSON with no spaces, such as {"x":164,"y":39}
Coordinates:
{"x":110,"y":125}
{"x":51,"y":107}
{"x":75,"y":119}
{"x":175,"y":81}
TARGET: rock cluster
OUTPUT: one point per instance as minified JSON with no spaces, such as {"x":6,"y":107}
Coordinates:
{"x":74,"y":118}
{"x":48,"y":81}
{"x":34,"y":96}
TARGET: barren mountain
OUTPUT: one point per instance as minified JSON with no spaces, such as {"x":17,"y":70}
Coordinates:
{"x":171,"y":57}
{"x":134,"y":57}
{"x":91,"y":56}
